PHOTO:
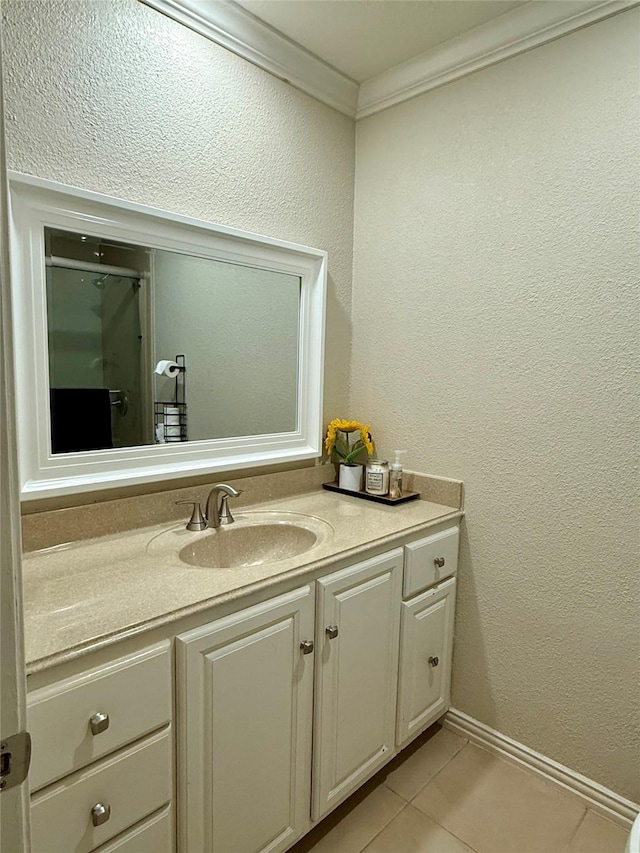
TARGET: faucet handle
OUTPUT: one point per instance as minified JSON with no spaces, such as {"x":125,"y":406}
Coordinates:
{"x":197,"y":520}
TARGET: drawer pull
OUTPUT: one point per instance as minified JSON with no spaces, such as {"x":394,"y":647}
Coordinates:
{"x":98,"y":723}
{"x":439,"y":562}
{"x":306,"y":646}
{"x":331,"y":631}
{"x":434,"y":661}
{"x":100,"y":814}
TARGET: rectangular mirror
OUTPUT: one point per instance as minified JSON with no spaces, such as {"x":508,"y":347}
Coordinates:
{"x":151,"y":346}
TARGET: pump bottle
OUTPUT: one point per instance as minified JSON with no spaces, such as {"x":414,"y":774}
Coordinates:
{"x":395,"y":475}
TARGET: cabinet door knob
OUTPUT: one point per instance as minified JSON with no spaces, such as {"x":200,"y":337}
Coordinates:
{"x":100,"y":814}
{"x":306,"y":646}
{"x":434,"y":661}
{"x":99,"y":722}
{"x":331,"y":631}
{"x":439,"y":562}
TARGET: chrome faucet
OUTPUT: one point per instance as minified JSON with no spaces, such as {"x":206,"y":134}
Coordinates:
{"x":218,"y":513}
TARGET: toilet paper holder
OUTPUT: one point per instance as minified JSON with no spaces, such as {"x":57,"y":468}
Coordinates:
{"x":170,"y":417}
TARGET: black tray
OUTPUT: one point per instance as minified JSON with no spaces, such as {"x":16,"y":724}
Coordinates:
{"x":379,"y":499}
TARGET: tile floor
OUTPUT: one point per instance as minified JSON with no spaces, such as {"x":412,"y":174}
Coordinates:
{"x":445,"y":795}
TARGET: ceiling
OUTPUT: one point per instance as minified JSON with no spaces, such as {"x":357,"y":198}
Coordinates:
{"x":364,"y":38}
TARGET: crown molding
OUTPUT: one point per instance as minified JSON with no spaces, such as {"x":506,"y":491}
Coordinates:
{"x":237,"y":30}
{"x":519,"y":30}
{"x":528,"y":26}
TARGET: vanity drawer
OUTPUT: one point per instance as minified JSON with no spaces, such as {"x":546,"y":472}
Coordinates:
{"x":430,"y":560}
{"x":135,"y":693}
{"x":155,"y":835}
{"x":132,"y":784}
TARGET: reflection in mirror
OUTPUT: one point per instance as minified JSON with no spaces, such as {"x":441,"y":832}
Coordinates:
{"x":116,"y":311}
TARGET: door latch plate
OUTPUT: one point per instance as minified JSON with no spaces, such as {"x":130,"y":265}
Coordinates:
{"x":15,"y":757}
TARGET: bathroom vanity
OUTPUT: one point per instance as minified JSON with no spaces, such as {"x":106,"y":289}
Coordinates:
{"x":182,"y":707}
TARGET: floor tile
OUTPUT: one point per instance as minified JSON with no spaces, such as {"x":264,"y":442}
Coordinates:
{"x":413,"y":832}
{"x":495,"y":807}
{"x":420,"y":761}
{"x":352,"y":825}
{"x":598,"y":835}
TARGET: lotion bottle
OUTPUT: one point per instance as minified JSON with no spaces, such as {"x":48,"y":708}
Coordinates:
{"x":395,"y":475}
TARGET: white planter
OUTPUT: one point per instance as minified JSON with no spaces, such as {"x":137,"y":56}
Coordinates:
{"x":350,"y":477}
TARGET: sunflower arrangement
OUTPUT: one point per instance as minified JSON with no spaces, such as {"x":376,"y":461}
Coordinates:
{"x":347,"y":440}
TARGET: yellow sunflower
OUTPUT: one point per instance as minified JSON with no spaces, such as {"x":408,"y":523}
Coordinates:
{"x":343,"y":450}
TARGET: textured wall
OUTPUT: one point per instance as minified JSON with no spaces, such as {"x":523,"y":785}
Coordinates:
{"x":112,"y":96}
{"x":495,"y":316}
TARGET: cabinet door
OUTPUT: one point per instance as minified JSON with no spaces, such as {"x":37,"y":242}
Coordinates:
{"x":245,"y":699}
{"x":356,"y":676}
{"x":426,"y":640}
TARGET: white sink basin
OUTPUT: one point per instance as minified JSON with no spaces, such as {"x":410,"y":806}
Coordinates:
{"x":253,"y":539}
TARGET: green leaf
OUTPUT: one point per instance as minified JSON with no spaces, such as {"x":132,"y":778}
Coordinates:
{"x":354,"y":453}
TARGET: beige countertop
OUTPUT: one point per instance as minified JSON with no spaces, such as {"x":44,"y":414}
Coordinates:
{"x":83,"y":594}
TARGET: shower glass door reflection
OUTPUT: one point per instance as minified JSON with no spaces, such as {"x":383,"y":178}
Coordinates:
{"x":97,"y":361}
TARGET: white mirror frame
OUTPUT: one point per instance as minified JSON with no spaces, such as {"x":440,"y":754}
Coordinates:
{"x":36,"y":203}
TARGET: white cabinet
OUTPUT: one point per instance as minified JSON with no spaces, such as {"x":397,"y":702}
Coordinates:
{"x":425,"y":659}
{"x":123,"y":789}
{"x":245,"y":700}
{"x":102,"y":758}
{"x":430,"y":560}
{"x":246,"y":709}
{"x":77,"y":720}
{"x":356,"y":676}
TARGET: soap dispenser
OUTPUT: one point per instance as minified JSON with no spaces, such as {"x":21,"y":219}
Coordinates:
{"x":395,"y":475}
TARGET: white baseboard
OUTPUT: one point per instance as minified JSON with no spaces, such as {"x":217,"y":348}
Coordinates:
{"x":594,"y":796}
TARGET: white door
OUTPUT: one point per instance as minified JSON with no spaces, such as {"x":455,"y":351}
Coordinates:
{"x":245,"y":702}
{"x":14,"y":809}
{"x":356,"y":676}
{"x":426,"y":640}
